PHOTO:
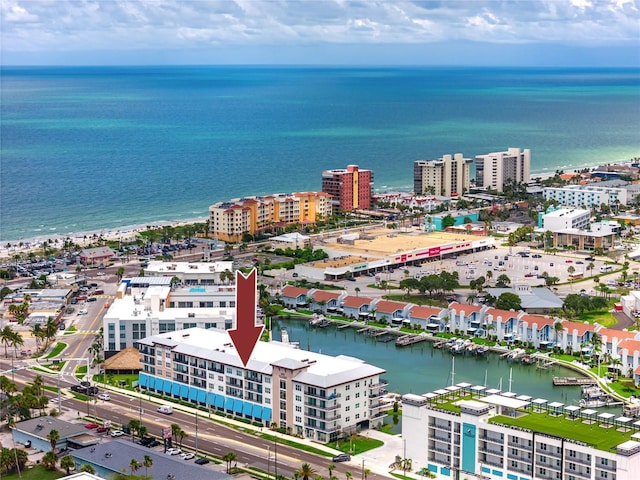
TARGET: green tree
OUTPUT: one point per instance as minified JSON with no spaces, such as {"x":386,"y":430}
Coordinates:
{"x":53,"y":438}
{"x":134,"y":465}
{"x":49,"y":460}
{"x":502,"y":281}
{"x":67,"y":463}
{"x":229,"y":458}
{"x":146,"y":463}
{"x":508,"y":301}
{"x":306,"y":471}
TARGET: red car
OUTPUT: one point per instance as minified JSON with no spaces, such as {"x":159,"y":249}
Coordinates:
{"x":568,"y":261}
{"x":102,"y":429}
{"x":91,"y":425}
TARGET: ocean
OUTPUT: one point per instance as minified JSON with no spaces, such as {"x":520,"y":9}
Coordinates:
{"x":96,"y":148}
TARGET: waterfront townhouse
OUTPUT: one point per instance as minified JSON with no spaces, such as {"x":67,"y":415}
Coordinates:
{"x":150,"y":305}
{"x":576,"y":335}
{"x":312,"y":395}
{"x":193,"y":273}
{"x":611,"y":340}
{"x":504,"y":324}
{"x":459,"y":431}
{"x":590,"y":195}
{"x":232,"y":220}
{"x":493,"y":170}
{"x":294,"y":297}
{"x":462,"y":316}
{"x":394,"y":313}
{"x":431,"y":319}
{"x":447,"y":176}
{"x":537,"y":330}
{"x":358,"y":308}
{"x":325,"y":301}
{"x":628,"y":352}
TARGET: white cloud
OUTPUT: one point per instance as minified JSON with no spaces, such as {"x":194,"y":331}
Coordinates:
{"x":42,"y":25}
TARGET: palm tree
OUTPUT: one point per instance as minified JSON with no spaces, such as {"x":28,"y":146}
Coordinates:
{"x":146,"y":463}
{"x":67,"y":463}
{"x":53,"y":438}
{"x":49,"y":460}
{"x":229,"y":458}
{"x":331,"y":468}
{"x":348,"y":474}
{"x":306,"y":471}
{"x":6,"y":334}
{"x":88,"y":468}
{"x":134,"y":465}
{"x":558,"y":328}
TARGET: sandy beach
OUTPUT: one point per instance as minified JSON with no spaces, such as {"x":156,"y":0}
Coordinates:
{"x":125,"y":234}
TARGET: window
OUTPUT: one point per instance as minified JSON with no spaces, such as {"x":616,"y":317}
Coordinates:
{"x":357,"y":405}
{"x":298,"y":408}
{"x":229,"y":370}
{"x":347,"y":388}
{"x":347,"y":408}
{"x":283,"y":384}
{"x":298,"y":398}
{"x":267,"y":390}
{"x":347,"y":398}
{"x":298,"y":387}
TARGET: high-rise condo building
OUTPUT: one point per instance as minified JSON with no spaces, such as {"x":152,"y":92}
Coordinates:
{"x":493,"y":170}
{"x":350,"y":188}
{"x":448,"y":176}
{"x":231,"y":220}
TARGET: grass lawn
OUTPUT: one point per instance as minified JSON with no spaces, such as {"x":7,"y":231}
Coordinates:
{"x":356,"y":445}
{"x":35,"y":473}
{"x":605,"y":439}
{"x":603,"y":317}
{"x":57,"y":350}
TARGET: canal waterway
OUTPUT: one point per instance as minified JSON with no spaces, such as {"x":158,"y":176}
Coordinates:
{"x":421,"y":368}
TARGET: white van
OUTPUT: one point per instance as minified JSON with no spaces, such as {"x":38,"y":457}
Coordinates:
{"x":606,"y":268}
{"x":166,"y":409}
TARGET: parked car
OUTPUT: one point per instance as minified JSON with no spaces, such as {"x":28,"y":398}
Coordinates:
{"x":153,"y":443}
{"x":84,"y":311}
{"x":202,"y":461}
{"x":116,"y":433}
{"x":104,"y":396}
{"x":91,"y":426}
{"x":187,"y":456}
{"x":102,"y":429}
{"x":343,"y":457}
{"x":92,"y":299}
{"x":173,"y":451}
{"x":100,"y":274}
{"x":144,"y":441}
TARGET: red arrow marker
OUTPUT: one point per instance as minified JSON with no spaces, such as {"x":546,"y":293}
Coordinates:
{"x":246,"y":334}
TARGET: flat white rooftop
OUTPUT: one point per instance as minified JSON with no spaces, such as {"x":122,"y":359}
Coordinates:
{"x":315,"y":368}
{"x":168,"y":268}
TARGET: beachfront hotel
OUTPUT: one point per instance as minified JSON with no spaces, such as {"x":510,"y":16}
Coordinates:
{"x":466,"y":431}
{"x":230,"y":220}
{"x":447,"y":176}
{"x":587,"y":196}
{"x":312,"y":395}
{"x":350,"y":188}
{"x":495,"y":169}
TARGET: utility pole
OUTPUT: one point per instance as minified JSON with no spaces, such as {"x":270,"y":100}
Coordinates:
{"x":59,"y":401}
{"x":196,"y":432}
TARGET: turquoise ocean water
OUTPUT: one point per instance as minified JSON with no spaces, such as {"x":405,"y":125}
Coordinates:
{"x":91,"y":148}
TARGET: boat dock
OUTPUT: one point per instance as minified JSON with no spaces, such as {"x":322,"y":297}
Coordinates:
{"x":344,"y":325}
{"x":405,"y":340}
{"x":571,"y":381}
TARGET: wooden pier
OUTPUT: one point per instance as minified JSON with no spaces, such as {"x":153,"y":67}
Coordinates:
{"x":344,"y":325}
{"x":571,"y":381}
{"x":405,"y":340}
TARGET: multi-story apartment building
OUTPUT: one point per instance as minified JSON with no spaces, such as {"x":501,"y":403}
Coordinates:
{"x":151,"y":305}
{"x":463,"y":431}
{"x":587,"y":196}
{"x":350,"y":188}
{"x":493,"y":170}
{"x":315,"y":396}
{"x":565,"y":218}
{"x":191,"y":273}
{"x":447,"y":176}
{"x":231,"y":220}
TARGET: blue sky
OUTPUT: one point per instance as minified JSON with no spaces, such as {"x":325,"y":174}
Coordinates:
{"x":325,"y":32}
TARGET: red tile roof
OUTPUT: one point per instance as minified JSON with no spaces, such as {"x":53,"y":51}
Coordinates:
{"x":459,"y":307}
{"x":619,"y":334}
{"x":580,"y":328}
{"x":420,"y":311}
{"x":504,"y":314}
{"x":320,"y":295}
{"x":631,"y":345}
{"x":387,"y":306}
{"x":356,"y":302}
{"x":538,"y":320}
{"x":293,"y":292}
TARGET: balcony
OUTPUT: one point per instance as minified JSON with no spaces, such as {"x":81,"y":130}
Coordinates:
{"x":313,"y":404}
{"x":321,"y":394}
{"x":381,"y":383}
{"x":322,"y":417}
{"x":378,"y":415}
{"x":324,"y":429}
{"x":377,"y":394}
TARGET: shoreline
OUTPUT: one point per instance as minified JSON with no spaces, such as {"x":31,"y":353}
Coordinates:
{"x":128,"y":232}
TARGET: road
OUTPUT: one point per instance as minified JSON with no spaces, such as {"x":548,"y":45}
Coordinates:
{"x":212,"y":437}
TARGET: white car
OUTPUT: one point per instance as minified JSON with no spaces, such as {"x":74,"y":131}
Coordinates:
{"x":173,"y":451}
{"x":104,"y":396}
{"x":187,"y":456}
{"x":116,"y":433}
{"x":83,"y":312}
{"x":100,"y":274}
